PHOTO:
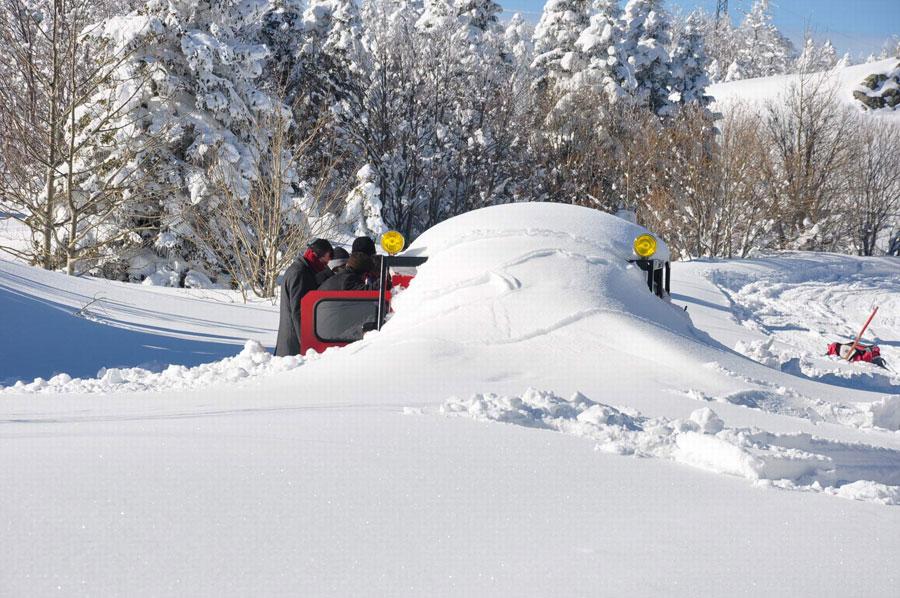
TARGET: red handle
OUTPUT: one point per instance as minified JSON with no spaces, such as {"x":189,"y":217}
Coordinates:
{"x":861,"y":332}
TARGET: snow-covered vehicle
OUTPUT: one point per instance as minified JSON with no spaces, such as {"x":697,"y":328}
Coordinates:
{"x":337,"y":318}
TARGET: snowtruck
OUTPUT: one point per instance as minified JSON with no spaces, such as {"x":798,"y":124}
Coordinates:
{"x":337,"y":318}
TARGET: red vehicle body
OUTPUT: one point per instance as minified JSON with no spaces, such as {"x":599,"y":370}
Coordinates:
{"x":337,"y":318}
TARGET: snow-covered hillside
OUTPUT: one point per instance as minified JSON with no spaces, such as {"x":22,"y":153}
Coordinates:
{"x":756,"y":92}
{"x":532,"y":421}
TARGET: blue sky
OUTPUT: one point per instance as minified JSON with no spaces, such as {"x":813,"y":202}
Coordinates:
{"x":856,"y":26}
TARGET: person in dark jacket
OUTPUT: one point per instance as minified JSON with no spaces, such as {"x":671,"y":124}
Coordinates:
{"x":367,"y":246}
{"x":354,"y":276}
{"x":299,"y":279}
{"x":337,"y":263}
{"x":364,"y":245}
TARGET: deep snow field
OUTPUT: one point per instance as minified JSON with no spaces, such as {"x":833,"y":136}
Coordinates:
{"x":531,"y":422}
{"x":757,"y":93}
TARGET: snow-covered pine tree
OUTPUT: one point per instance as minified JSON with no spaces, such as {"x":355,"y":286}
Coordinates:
{"x":764,"y":51}
{"x":733,"y":73}
{"x":201,"y":92}
{"x":561,"y":23}
{"x":828,"y":55}
{"x":395,"y":130}
{"x":475,"y":136}
{"x":606,"y":68}
{"x":518,"y":41}
{"x":815,"y":57}
{"x":719,"y":40}
{"x":689,"y":66}
{"x":362,"y":210}
{"x":325,"y":89}
{"x":480,"y":16}
{"x":646,"y":39}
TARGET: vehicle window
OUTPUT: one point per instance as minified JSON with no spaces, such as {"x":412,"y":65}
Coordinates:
{"x":342,"y":320}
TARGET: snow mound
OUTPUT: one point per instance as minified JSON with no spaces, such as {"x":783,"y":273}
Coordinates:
{"x":253,"y":361}
{"x":757,"y":92}
{"x":511,"y":274}
{"x":793,"y":461}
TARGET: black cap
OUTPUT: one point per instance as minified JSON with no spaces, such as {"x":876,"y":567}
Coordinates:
{"x":364,"y":244}
{"x":321,"y":246}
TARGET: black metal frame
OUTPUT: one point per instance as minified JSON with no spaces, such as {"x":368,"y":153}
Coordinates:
{"x":387,"y":262}
{"x":659,"y":275}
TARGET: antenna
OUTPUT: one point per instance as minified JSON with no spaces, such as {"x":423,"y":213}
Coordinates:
{"x":721,"y":11}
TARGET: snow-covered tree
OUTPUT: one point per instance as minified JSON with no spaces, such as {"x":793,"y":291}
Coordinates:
{"x":720,"y":41}
{"x":561,"y":23}
{"x":66,"y":165}
{"x":645,"y":42}
{"x":518,"y":40}
{"x":606,"y":68}
{"x":815,"y":57}
{"x":764,"y":51}
{"x":362,"y":212}
{"x":890,"y":48}
{"x":201,"y":92}
{"x":689,"y":66}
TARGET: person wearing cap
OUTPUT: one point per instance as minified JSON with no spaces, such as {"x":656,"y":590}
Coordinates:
{"x":367,"y":246}
{"x":364,"y":245}
{"x":353,"y":277}
{"x":299,"y":279}
{"x":337,"y":263}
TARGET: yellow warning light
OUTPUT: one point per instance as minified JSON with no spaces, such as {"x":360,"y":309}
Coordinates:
{"x":645,"y":246}
{"x":392,"y":242}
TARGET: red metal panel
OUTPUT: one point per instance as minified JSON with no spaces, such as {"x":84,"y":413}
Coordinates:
{"x":401,"y":280}
{"x":308,"y":338}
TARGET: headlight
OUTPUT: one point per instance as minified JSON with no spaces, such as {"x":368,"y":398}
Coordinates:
{"x":392,"y":242}
{"x":645,"y":246}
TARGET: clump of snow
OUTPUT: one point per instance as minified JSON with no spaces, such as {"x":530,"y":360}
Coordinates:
{"x":253,"y":361}
{"x":868,"y":492}
{"x":760,"y":351}
{"x":194,"y":279}
{"x":709,"y":422}
{"x":884,"y":413}
{"x":796,"y":461}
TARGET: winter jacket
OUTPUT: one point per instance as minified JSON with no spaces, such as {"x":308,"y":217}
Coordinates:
{"x":345,"y":280}
{"x":324,"y":275}
{"x":299,"y":279}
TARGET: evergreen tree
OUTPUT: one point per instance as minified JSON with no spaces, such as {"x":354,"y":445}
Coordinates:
{"x":362,"y":212}
{"x":720,"y":41}
{"x":606,"y":68}
{"x":646,"y":39}
{"x":562,"y":22}
{"x":764,"y":50}
{"x":689,"y":66}
{"x":518,"y":41}
{"x":200,"y":89}
{"x":815,"y":58}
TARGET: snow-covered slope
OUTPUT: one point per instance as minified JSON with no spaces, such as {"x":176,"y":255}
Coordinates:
{"x":756,"y":92}
{"x":362,"y":472}
{"x":57,"y":324}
